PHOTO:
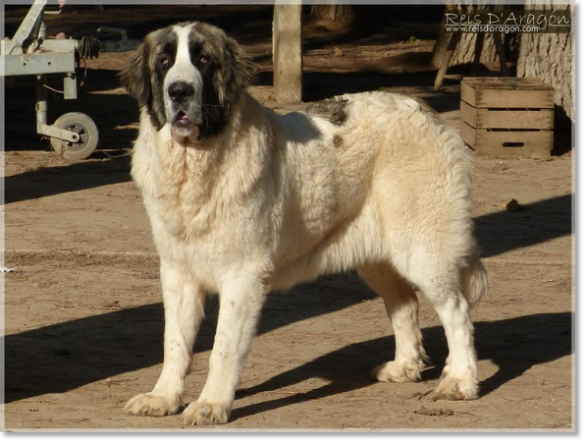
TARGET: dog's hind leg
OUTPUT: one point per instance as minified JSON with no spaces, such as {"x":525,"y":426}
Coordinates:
{"x":402,"y":308}
{"x":241,"y":301}
{"x":460,"y":374}
{"x":184,"y":303}
{"x":439,"y":281}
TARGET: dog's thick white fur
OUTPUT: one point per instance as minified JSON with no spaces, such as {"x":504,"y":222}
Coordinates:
{"x":373,"y":181}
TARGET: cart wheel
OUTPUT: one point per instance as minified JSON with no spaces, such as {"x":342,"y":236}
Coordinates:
{"x":82,"y":125}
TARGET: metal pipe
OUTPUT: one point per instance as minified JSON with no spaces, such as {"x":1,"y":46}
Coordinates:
{"x":41,"y":112}
{"x":28,"y":26}
{"x":41,"y":102}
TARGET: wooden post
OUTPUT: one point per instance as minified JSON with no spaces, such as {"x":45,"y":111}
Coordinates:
{"x":500,"y":50}
{"x":287,"y":53}
{"x":439,"y":78}
{"x":477,"y":53}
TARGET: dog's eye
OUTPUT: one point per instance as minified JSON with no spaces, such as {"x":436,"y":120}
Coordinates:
{"x":164,"y":60}
{"x":204,"y":60}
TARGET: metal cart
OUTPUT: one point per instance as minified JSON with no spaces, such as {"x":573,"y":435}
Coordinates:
{"x":73,"y":135}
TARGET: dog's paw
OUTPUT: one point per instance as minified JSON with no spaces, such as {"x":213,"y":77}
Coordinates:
{"x":398,"y":372}
{"x":153,"y":405}
{"x":451,"y":388}
{"x":203,"y":414}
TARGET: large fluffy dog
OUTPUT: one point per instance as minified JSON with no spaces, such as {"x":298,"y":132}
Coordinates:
{"x":243,"y":201}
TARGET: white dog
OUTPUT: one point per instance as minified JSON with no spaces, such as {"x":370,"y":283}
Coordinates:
{"x":243,"y":201}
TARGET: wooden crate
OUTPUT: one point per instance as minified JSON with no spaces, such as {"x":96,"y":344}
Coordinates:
{"x":507,"y":116}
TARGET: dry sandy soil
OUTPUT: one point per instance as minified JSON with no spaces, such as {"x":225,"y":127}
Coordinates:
{"x":83,"y":314}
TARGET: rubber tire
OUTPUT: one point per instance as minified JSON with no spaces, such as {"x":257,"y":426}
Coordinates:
{"x":88,"y":136}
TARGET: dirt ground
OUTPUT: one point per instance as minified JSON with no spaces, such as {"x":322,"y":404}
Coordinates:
{"x":83,"y":318}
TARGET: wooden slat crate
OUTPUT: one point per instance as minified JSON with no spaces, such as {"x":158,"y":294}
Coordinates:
{"x":507,"y":116}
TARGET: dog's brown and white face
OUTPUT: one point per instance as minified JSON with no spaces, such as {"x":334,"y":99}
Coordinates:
{"x":188,"y":76}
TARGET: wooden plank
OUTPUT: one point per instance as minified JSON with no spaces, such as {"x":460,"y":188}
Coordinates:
{"x":515,"y":98}
{"x":514,"y":87}
{"x":469,"y":114}
{"x":468,"y":134}
{"x":516,"y":119}
{"x":500,"y":50}
{"x":500,"y":84}
{"x":507,"y":92}
{"x":524,"y":143}
{"x":468,"y":93}
{"x":507,"y":82}
{"x":478,"y":45}
{"x":439,"y":79}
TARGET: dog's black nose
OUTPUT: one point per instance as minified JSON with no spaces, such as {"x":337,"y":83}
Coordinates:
{"x":180,"y":92}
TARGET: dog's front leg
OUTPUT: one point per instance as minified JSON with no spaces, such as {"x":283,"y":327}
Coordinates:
{"x":184,"y":303}
{"x":240,"y":306}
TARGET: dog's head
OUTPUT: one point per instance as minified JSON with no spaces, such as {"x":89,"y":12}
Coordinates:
{"x":188,"y":75}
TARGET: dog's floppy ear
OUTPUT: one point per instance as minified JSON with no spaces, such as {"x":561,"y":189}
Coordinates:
{"x":238,"y":72}
{"x":244,"y":68}
{"x":135,"y":75}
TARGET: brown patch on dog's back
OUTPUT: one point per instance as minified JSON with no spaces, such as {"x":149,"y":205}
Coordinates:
{"x":333,"y":110}
{"x":338,"y":141}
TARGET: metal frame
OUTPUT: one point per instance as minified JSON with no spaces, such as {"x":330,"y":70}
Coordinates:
{"x":30,"y":53}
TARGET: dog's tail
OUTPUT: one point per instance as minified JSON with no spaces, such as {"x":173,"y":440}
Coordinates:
{"x":474,"y":279}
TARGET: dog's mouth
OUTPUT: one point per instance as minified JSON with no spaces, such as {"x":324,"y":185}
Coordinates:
{"x":184,"y":128}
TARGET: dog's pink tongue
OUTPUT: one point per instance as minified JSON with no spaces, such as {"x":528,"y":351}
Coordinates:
{"x":184,"y":128}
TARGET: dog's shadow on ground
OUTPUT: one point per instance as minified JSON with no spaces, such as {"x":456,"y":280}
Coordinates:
{"x":68,"y":355}
{"x":514,"y":345}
